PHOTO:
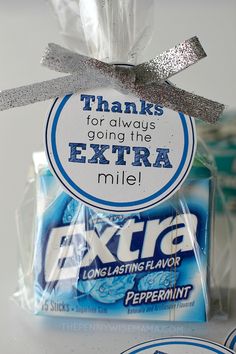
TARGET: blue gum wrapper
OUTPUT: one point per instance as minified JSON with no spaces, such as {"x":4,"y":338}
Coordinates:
{"x":148,"y":266}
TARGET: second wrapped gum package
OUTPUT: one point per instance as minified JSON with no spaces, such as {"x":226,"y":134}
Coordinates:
{"x":146,"y":253}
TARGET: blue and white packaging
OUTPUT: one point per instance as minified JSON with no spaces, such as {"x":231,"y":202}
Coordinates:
{"x":151,"y":265}
{"x":150,"y":252}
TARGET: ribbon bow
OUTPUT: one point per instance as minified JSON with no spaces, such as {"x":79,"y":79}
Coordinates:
{"x":146,"y":81}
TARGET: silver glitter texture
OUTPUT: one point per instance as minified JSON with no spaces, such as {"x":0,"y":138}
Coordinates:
{"x":170,"y":62}
{"x":146,"y":80}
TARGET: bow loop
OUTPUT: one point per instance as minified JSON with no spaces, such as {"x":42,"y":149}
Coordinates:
{"x":63,"y":60}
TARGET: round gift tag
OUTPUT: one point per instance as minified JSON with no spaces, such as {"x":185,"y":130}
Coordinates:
{"x":178,"y":345}
{"x":116,"y":152}
{"x":231,"y":340}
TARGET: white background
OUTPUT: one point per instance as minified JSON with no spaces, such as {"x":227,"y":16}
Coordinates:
{"x":26,"y":26}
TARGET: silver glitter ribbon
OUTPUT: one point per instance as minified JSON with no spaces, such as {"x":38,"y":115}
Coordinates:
{"x":146,"y":81}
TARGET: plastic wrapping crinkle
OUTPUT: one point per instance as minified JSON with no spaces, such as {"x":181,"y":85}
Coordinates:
{"x":161,"y":264}
{"x":221,"y":141}
{"x":165,"y":263}
{"x":111,"y":31}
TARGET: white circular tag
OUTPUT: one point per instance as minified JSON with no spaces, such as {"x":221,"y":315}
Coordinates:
{"x":116,"y":152}
{"x":178,"y":345}
{"x":231,"y":340}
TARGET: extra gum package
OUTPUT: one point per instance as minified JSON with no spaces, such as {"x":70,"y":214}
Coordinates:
{"x":152,"y":265}
{"x":118,"y":218}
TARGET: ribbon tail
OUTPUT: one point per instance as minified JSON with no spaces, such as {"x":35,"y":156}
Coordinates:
{"x":42,"y":91}
{"x":179,"y":100}
{"x":170,"y":62}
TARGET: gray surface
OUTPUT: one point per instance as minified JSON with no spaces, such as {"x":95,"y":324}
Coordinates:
{"x":25,"y":28}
